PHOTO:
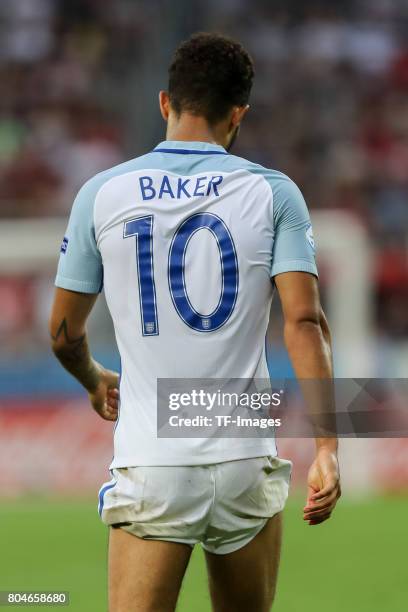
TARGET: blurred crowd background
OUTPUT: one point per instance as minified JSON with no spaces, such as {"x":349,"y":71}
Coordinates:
{"x":329,"y":108}
{"x":79,"y":81}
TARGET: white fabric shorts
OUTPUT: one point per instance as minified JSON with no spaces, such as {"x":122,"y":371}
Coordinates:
{"x":223,"y":506}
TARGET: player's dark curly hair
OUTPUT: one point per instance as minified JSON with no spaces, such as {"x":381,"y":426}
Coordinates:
{"x":210,"y":74}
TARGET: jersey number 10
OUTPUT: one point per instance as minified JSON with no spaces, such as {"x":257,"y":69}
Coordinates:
{"x":142,"y":229}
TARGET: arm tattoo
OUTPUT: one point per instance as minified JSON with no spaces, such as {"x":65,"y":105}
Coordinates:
{"x":74,"y":355}
{"x":75,"y":344}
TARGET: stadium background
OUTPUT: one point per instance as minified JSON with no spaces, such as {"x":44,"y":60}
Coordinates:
{"x":330,"y":108}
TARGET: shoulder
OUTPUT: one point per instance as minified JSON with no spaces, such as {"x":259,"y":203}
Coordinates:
{"x":275,"y":179}
{"x":284,"y":190}
{"x":94,"y":184}
{"x":85,"y":199}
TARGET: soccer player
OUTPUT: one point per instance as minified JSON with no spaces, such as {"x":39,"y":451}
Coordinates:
{"x":189,"y":242}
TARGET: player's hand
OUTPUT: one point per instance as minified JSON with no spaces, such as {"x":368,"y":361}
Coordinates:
{"x":323,"y":487}
{"x":105,"y":398}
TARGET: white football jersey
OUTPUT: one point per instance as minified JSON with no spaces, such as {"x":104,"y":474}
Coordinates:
{"x":185,"y":241}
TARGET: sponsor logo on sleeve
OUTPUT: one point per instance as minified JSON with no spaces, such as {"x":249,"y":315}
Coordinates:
{"x":309,"y":236}
{"x":64,"y":245}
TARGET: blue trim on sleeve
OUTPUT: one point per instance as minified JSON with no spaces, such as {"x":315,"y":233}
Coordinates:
{"x":81,"y":286}
{"x":294,"y":265}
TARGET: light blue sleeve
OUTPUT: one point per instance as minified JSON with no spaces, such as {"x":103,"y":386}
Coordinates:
{"x":80,"y":263}
{"x":293,"y":247}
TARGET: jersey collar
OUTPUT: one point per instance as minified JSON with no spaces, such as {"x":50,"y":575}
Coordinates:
{"x":185,"y":147}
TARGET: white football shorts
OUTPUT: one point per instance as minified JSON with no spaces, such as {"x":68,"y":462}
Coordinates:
{"x":223,"y":506}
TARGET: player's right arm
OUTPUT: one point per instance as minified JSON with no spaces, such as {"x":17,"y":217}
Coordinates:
{"x":307,"y":336}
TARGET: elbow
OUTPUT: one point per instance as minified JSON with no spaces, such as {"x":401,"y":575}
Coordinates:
{"x":58,"y":346}
{"x":66,"y":352}
{"x":66,"y":348}
{"x":304,"y":319}
{"x":295,"y":331}
{"x":308,"y":322}
{"x":58,"y":349}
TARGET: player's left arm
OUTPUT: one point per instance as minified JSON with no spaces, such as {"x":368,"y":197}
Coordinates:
{"x":69,"y":343}
{"x":78,"y":282}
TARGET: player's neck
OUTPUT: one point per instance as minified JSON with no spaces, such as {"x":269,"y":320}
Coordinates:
{"x":190,"y":128}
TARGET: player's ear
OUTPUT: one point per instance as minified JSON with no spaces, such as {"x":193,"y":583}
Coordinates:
{"x":238,"y":114}
{"x":164,"y":103}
